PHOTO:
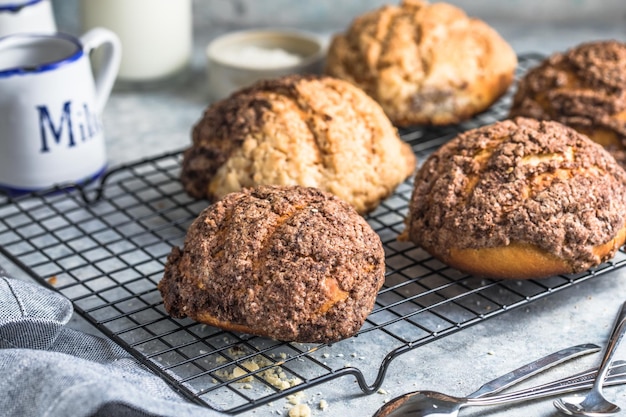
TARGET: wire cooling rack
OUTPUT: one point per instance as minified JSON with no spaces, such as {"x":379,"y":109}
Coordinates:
{"x":104,"y":246}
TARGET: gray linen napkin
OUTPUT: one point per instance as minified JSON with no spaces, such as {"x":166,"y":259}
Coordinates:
{"x":49,"y":370}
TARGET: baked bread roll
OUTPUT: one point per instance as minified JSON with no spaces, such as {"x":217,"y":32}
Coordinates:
{"x":584,"y":88}
{"x":287,"y":262}
{"x":298,"y":130}
{"x":425,"y":64}
{"x":519,"y":199}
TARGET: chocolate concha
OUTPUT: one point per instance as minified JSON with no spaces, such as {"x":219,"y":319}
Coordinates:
{"x":287,"y":262}
{"x":519,"y":199}
{"x":583,"y":88}
{"x":298,"y":130}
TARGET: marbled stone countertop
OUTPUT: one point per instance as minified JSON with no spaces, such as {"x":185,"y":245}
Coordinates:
{"x":143,"y":123}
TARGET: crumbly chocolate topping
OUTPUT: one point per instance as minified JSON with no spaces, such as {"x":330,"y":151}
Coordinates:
{"x":222,"y":129}
{"x":519,"y":181}
{"x":306,"y":130}
{"x":291,"y":263}
{"x":584,"y":88}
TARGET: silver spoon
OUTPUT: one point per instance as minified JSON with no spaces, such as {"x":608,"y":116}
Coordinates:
{"x":594,"y":404}
{"x":517,"y":375}
{"x":436,"y":404}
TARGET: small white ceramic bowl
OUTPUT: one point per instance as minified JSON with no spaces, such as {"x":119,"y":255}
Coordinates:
{"x":239,"y":59}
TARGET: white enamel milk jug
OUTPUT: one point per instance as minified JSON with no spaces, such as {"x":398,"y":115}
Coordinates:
{"x":50,"y":108}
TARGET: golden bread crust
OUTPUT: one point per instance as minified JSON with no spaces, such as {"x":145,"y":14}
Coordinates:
{"x":286,"y":262}
{"x":298,"y":130}
{"x":425,"y":64}
{"x":519,"y":199}
{"x":521,"y":261}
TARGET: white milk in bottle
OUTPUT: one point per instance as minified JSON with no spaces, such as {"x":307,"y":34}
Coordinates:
{"x":156,"y":35}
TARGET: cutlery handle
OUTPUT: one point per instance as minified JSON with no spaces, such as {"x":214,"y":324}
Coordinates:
{"x":616,"y":336}
{"x":580,"y":381}
{"x":533,"y":368}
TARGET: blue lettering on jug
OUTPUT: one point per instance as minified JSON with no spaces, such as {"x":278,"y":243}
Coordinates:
{"x":89,"y":122}
{"x":63,"y":131}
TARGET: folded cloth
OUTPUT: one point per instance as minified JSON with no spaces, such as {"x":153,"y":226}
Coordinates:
{"x":51,"y":370}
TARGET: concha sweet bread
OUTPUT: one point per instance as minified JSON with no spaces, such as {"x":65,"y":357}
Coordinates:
{"x":425,"y":64}
{"x":584,"y":88}
{"x":519,"y":199}
{"x":287,"y":262}
{"x":298,"y":130}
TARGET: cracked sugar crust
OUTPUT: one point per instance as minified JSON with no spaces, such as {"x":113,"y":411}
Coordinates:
{"x":425,"y":64}
{"x":298,"y":130}
{"x":520,"y":182}
{"x":584,"y":88}
{"x":290,"y":263}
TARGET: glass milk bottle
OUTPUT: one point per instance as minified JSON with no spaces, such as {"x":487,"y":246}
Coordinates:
{"x":156,"y":36}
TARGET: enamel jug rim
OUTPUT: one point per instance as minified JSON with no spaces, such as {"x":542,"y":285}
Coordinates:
{"x":26,"y":39}
{"x":16,"y":6}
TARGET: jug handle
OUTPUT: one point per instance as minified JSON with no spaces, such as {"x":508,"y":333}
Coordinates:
{"x":109,"y":64}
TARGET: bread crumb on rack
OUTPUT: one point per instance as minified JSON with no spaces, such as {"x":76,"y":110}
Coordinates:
{"x":248,"y":366}
{"x":275,"y":375}
{"x":323,"y":405}
{"x":296,"y":398}
{"x":300,"y":410}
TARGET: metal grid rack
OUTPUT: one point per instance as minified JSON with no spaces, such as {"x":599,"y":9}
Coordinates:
{"x":104,"y":246}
